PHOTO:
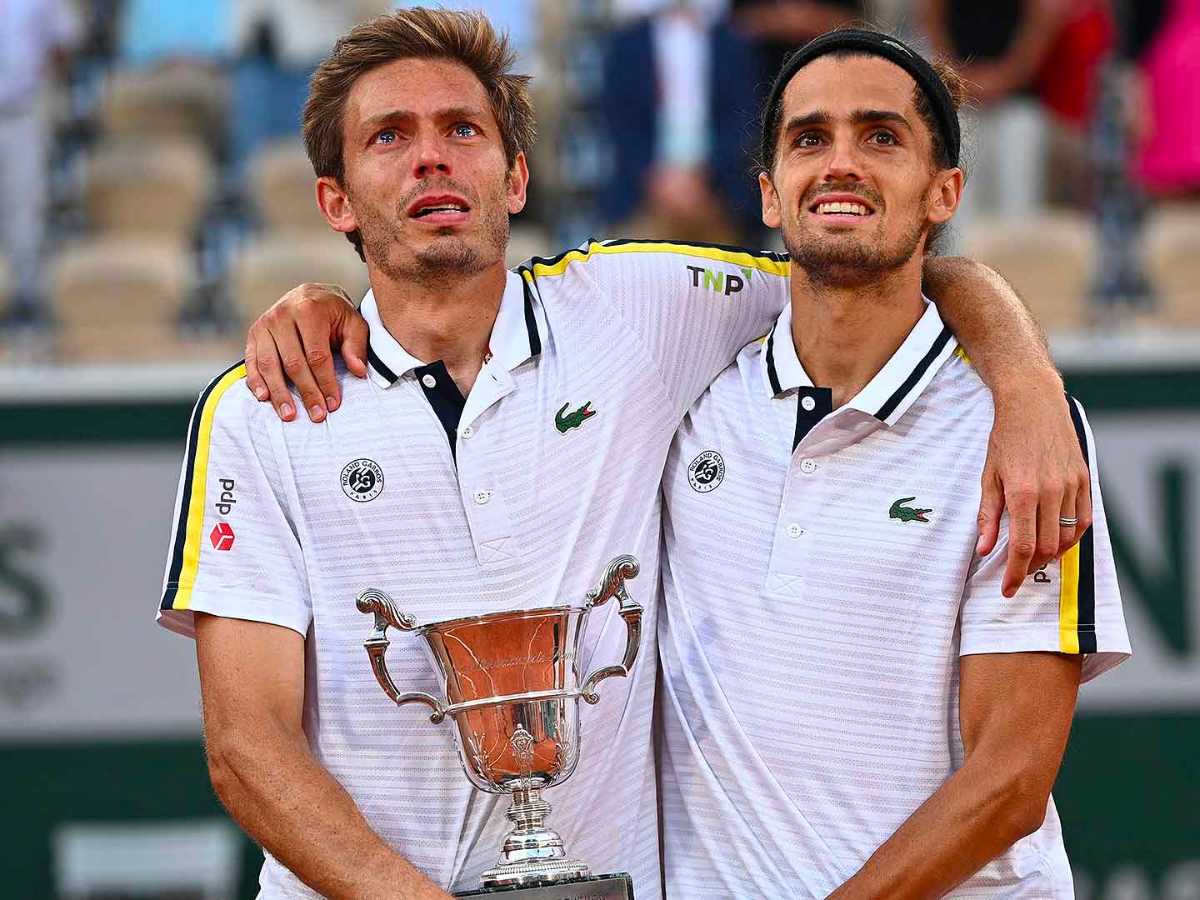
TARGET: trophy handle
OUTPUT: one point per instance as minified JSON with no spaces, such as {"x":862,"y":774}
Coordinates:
{"x":613,"y":585}
{"x":387,"y":613}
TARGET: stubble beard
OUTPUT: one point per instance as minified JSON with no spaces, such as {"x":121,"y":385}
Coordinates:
{"x":450,"y":255}
{"x":847,"y":260}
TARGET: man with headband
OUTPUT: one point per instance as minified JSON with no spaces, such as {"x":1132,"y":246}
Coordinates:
{"x":851,"y":706}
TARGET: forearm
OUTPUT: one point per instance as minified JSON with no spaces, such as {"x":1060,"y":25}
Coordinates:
{"x":1005,"y":343}
{"x":293,"y":807}
{"x":971,"y":819}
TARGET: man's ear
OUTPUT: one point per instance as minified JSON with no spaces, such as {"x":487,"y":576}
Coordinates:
{"x":772,"y":214}
{"x":945,"y":193}
{"x":335,"y":205}
{"x":518,"y":184}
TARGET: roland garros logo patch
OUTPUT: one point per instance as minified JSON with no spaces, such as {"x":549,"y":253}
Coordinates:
{"x":362,"y":480}
{"x":706,"y":472}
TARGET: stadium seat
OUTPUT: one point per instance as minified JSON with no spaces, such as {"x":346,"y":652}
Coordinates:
{"x":183,"y":99}
{"x":283,"y":186}
{"x":1048,"y":259}
{"x":159,"y":189}
{"x":1172,"y":257}
{"x":275,"y":264}
{"x":119,"y":282}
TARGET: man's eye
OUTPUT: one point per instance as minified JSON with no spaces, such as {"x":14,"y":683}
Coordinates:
{"x":884,"y":137}
{"x":387,"y":136}
{"x":465,"y":129}
{"x":808,"y":139}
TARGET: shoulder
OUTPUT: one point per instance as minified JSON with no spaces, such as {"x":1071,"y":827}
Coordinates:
{"x":722,"y":268}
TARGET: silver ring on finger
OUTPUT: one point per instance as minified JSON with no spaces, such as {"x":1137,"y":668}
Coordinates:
{"x":1068,"y":521}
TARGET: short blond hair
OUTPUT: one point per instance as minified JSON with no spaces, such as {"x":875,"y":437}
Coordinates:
{"x":467,"y":38}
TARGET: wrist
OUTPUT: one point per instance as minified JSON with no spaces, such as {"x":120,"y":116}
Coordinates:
{"x":1019,"y":388}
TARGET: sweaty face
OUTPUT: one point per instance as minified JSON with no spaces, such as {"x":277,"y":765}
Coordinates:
{"x":853,"y":187}
{"x":426,"y":180}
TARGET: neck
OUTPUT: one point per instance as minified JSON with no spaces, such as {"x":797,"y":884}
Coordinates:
{"x":449,"y":319}
{"x":844,"y":334}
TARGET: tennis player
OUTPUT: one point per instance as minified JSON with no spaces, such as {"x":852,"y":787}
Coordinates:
{"x":506,"y":441}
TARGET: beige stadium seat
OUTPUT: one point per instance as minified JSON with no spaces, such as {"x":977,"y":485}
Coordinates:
{"x":284,"y":188}
{"x":185,"y":100}
{"x":1172,"y":257}
{"x":107,"y":287}
{"x":273,"y":265}
{"x":1049,"y":259}
{"x":159,"y":189}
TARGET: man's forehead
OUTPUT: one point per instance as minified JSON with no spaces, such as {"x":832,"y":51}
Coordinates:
{"x":845,"y":84}
{"x":417,"y":84}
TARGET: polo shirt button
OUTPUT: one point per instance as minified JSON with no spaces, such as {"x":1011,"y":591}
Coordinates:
{"x":482,"y":497}
{"x":808,"y":466}
{"x":429,"y":381}
{"x":808,"y":403}
{"x":794,"y":530}
{"x":467,"y":432}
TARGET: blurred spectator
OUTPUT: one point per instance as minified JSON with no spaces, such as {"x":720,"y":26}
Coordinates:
{"x":35,"y":38}
{"x":780,"y":26}
{"x":1169,"y":160}
{"x":278,"y":45}
{"x":999,"y":46}
{"x":680,"y":91}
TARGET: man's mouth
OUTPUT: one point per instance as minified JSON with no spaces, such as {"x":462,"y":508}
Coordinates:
{"x":440,"y":208}
{"x":842,"y":208}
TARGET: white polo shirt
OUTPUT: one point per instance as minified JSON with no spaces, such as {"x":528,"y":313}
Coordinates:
{"x":516,"y":497}
{"x":820,"y":586}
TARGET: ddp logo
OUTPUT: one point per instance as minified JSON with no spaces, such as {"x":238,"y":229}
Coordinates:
{"x":222,"y":536}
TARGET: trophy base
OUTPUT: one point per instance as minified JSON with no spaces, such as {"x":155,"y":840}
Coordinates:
{"x":592,"y":887}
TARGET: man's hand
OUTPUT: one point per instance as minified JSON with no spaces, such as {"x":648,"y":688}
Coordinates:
{"x":296,"y":337}
{"x":1036,"y":469}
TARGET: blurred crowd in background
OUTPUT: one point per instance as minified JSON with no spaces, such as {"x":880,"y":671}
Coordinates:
{"x":158,"y":197}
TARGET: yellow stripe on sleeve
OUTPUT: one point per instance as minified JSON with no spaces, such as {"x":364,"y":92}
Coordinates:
{"x":1068,"y":602}
{"x":742,"y":258}
{"x":199,"y":483}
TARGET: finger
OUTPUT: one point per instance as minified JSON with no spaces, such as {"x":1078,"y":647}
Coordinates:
{"x":1022,"y":538}
{"x":1049,"y":509}
{"x":254,"y":380}
{"x":1066,"y":533}
{"x":991,"y":505}
{"x":266,"y":357}
{"x":295,"y":366}
{"x":1083,"y":505}
{"x":315,"y":339}
{"x":354,"y":343}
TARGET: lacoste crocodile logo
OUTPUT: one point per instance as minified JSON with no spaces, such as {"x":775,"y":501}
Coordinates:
{"x":907,"y":513}
{"x":574,"y":419}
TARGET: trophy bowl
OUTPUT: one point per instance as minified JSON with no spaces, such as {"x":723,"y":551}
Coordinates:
{"x":511,"y":687}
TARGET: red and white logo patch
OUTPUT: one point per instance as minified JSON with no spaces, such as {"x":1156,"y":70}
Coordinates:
{"x":222,"y":536}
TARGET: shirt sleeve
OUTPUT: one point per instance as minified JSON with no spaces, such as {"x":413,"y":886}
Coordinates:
{"x":234,"y":550}
{"x":691,"y":306}
{"x":1072,"y":605}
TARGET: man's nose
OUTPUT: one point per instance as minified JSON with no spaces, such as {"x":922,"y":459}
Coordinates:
{"x":844,"y":161}
{"x":430,"y":157}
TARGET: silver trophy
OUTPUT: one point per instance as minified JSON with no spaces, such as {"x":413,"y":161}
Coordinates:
{"x":512,"y":684}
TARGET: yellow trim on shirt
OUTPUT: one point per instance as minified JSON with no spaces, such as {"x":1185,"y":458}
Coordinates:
{"x":199,"y":482}
{"x":742,"y":258}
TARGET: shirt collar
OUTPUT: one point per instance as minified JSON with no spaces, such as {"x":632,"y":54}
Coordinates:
{"x":516,"y":335}
{"x":892,"y":391}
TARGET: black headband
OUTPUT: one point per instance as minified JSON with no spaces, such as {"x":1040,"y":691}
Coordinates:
{"x":871,"y":43}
